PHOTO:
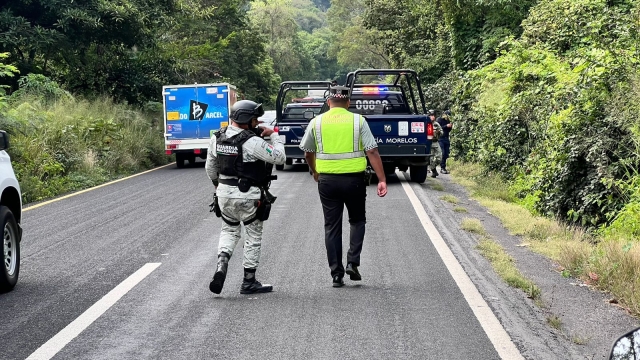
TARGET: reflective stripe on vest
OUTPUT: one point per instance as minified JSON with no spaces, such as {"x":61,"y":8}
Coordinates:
{"x":343,"y":161}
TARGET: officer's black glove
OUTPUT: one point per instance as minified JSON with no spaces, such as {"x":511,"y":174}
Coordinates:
{"x":215,"y":182}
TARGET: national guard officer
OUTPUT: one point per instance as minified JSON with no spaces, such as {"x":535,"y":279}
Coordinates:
{"x":336,"y":144}
{"x":436,"y":157}
{"x":237,"y":165}
{"x":445,"y":145}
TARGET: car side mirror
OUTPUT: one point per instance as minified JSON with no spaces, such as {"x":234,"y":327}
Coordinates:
{"x":309,"y":115}
{"x":627,"y":346}
{"x":4,"y":140}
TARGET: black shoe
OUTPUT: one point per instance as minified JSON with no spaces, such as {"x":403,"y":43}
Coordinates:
{"x":352,"y":270}
{"x":337,"y":281}
{"x":254,"y":286}
{"x":434,"y":173}
{"x":221,"y":274}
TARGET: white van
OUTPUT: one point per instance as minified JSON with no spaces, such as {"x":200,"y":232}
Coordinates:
{"x":10,"y":217}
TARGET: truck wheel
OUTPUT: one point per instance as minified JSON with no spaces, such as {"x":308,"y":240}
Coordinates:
{"x":192,"y":160}
{"x":288,"y":162}
{"x":10,"y":265}
{"x":418,"y":173}
{"x":280,"y":167}
{"x":180,"y":159}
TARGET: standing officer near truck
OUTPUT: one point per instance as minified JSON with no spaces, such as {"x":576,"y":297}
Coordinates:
{"x":435,"y":146}
{"x":336,"y":144}
{"x":445,"y":145}
{"x":237,"y":165}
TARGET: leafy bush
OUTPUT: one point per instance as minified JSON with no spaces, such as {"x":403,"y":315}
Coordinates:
{"x":70,"y":144}
{"x":556,"y":113}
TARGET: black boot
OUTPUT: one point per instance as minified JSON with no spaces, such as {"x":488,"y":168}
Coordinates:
{"x":353,"y":272}
{"x":434,"y":172}
{"x":221,"y":273}
{"x":251,"y":286}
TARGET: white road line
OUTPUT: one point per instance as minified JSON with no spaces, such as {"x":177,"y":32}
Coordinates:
{"x":492,"y":327}
{"x":61,"y":339}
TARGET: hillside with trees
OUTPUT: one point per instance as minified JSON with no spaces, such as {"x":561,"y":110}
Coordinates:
{"x":81,"y":81}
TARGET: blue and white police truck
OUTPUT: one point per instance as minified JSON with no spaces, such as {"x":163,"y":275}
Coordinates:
{"x":191,"y":114}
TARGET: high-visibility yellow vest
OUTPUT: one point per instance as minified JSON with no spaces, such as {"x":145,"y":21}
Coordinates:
{"x":338,"y":146}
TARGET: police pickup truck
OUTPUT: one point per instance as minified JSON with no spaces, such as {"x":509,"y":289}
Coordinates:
{"x":292,"y":119}
{"x":396,"y":118}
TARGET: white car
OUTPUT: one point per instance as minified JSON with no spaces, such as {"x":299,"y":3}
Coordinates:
{"x":10,"y":217}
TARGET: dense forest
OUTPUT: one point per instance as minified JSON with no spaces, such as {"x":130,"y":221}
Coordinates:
{"x":544,"y":92}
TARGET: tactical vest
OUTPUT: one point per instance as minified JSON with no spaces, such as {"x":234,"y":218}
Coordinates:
{"x":339,"y":149}
{"x":230,"y":159}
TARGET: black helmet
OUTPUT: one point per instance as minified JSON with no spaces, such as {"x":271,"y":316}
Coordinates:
{"x":432,"y":112}
{"x":447,"y":112}
{"x":244,"y":110}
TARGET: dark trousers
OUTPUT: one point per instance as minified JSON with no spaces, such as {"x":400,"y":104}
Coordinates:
{"x":336,"y":191}
{"x":444,"y":146}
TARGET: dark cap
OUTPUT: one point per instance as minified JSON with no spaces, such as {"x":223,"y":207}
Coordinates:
{"x":338,"y":92}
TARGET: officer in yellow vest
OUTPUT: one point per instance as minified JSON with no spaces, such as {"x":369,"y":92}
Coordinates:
{"x":336,"y":144}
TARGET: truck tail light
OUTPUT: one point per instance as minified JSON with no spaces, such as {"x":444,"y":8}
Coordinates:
{"x":275,"y":129}
{"x":430,"y":131}
{"x":168,"y":152}
{"x":172,"y":146}
{"x":196,"y":151}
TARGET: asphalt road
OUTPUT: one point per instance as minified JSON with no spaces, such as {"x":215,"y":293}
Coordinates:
{"x":77,"y":250}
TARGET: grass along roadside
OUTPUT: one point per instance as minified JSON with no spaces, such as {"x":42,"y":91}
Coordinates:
{"x":608,"y":264}
{"x":62,"y":146}
{"x":503,"y":264}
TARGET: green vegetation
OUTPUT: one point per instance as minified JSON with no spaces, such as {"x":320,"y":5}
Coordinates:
{"x":435,"y":185}
{"x":449,"y":198}
{"x":606,"y":262}
{"x":65,"y":144}
{"x":474,"y":226}
{"x":540,"y":95}
{"x":80,"y":82}
{"x":505,"y":267}
{"x":555,"y":322}
{"x":460,"y":209}
{"x":545,"y":97}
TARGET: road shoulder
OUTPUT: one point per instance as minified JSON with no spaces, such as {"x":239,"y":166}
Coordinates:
{"x":580,"y":312}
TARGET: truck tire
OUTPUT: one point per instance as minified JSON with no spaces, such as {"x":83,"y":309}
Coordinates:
{"x":192,"y":160}
{"x":288,"y":161}
{"x":10,"y":254}
{"x":280,"y":167}
{"x":418,"y":173}
{"x":180,"y":159}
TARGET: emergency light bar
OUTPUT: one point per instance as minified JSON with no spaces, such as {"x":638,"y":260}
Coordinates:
{"x":374,"y":89}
